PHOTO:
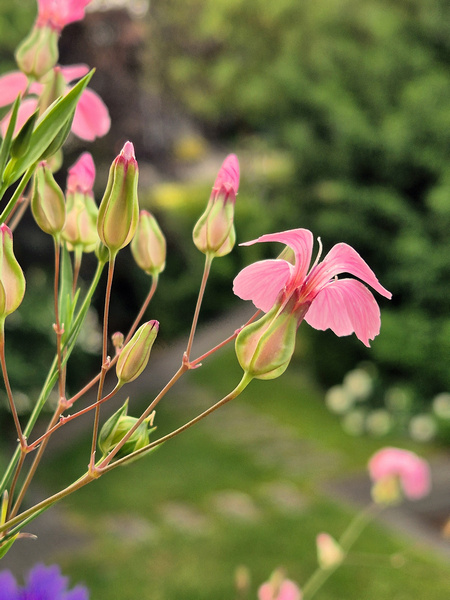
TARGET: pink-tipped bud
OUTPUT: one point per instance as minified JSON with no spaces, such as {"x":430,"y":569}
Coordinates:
{"x":12,"y":280}
{"x":279,"y":588}
{"x":134,"y":357}
{"x":47,"y":203}
{"x":329,"y":552}
{"x":38,"y":53}
{"x":80,"y":230}
{"x":119,"y":209}
{"x":149,"y":245}
{"x":117,"y":340}
{"x":214,"y":232}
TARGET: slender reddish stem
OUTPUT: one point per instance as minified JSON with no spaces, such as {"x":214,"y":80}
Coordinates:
{"x":206,"y":270}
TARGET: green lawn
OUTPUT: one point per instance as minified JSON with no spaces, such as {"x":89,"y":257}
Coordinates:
{"x":242,"y":488}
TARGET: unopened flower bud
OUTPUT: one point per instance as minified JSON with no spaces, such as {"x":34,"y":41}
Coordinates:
{"x":117,"y":426}
{"x":47,"y":203}
{"x":264,"y":349}
{"x":80,"y":229}
{"x":134,"y":357}
{"x":38,"y":53}
{"x":149,"y":245}
{"x":329,"y":552}
{"x":119,"y":210}
{"x":214,"y":232}
{"x":12,"y":280}
{"x":117,"y":340}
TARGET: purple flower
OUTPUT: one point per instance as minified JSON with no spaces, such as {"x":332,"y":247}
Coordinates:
{"x":43,"y":583}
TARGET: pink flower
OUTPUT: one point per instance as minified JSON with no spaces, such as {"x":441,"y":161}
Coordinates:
{"x":56,"y":14}
{"x":286,"y":590}
{"x":91,"y":118}
{"x":81,"y":175}
{"x":412,"y":472}
{"x":342,"y":305}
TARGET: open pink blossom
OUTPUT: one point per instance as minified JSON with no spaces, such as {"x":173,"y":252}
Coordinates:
{"x":286,"y":590}
{"x":343,"y":305}
{"x":412,"y":471}
{"x":59,"y":13}
{"x":91,"y":118}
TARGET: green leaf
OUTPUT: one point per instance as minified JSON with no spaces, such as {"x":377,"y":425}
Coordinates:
{"x":7,"y":545}
{"x":6,"y":143}
{"x":50,"y":124}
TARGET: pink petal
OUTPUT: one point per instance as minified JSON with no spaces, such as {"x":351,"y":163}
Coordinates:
{"x":301,"y":241}
{"x":11,"y":85}
{"x":261,"y":282}
{"x":82,"y":174}
{"x":228,"y":175}
{"x":288,"y":591}
{"x":342,"y":258}
{"x":91,"y":117}
{"x":26,"y":109}
{"x":72,"y":72}
{"x":346,"y":306}
{"x":59,"y":13}
{"x":413,"y":471}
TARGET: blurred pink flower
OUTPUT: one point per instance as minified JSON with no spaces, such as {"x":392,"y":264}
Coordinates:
{"x":59,"y":13}
{"x":342,"y":305}
{"x":81,"y":175}
{"x":91,"y":118}
{"x":286,"y":590}
{"x":412,"y":471}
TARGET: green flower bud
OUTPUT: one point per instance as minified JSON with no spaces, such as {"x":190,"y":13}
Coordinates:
{"x":134,"y":356}
{"x":149,"y":245}
{"x":47,"y":202}
{"x":38,"y":53}
{"x":12,"y":280}
{"x":80,"y":229}
{"x":214,"y":232}
{"x":119,"y":209}
{"x":264,"y":349}
{"x":117,"y":426}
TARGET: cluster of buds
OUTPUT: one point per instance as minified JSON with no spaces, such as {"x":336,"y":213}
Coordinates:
{"x":117,"y":426}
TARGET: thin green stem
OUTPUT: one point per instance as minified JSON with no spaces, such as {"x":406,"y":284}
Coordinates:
{"x":105,"y":363}
{"x":346,"y":541}
{"x":52,"y":375}
{"x":143,"y":308}
{"x":21,"y":437}
{"x":17,"y":193}
{"x":206,"y":270}
{"x":198,"y":361}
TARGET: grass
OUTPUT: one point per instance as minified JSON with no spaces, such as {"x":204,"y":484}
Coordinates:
{"x":177,"y":524}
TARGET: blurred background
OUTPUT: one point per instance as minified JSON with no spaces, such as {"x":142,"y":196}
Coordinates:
{"x":339,"y":113}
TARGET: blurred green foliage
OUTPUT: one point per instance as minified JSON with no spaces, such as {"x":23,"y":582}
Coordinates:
{"x":357,"y":92}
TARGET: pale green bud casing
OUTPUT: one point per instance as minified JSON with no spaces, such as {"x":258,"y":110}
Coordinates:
{"x":119,"y":209}
{"x":12,"y":280}
{"x":38,"y":53}
{"x":149,"y":245}
{"x":117,"y":426}
{"x":80,"y":229}
{"x":47,"y":203}
{"x":134,"y":356}
{"x":214,"y":231}
{"x":264,"y":349}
